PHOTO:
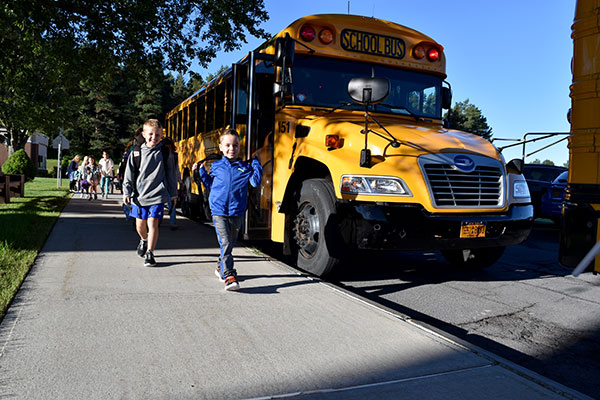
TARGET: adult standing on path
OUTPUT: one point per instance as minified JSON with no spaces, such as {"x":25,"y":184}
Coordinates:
{"x":72,"y":173}
{"x":107,"y":168}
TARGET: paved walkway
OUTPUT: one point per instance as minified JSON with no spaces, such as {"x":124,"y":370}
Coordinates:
{"x":91,"y":322}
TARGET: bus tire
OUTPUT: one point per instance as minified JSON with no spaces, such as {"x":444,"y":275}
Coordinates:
{"x":476,"y":259}
{"x":315,"y":237}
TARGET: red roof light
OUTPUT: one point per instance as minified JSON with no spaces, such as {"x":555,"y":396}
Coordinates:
{"x":307,"y":33}
{"x":433,"y":54}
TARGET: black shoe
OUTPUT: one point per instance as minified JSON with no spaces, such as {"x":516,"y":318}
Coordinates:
{"x":142,"y":247}
{"x":149,"y":260}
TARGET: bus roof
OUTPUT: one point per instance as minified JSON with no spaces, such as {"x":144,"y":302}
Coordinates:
{"x":363,"y":38}
{"x":352,"y":37}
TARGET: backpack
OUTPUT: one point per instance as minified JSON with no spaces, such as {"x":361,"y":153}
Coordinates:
{"x":137,"y":157}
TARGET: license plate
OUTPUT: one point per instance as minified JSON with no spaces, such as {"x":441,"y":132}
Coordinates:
{"x":472,"y":230}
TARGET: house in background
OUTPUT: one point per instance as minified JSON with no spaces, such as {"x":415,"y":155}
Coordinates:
{"x":36,"y":148}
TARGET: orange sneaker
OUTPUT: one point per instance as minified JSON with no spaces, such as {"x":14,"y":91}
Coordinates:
{"x":231,"y":283}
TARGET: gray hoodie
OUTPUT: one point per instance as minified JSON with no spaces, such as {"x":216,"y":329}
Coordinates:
{"x":153,"y":185}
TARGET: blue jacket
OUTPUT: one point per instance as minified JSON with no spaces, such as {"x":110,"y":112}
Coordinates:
{"x":228,"y":185}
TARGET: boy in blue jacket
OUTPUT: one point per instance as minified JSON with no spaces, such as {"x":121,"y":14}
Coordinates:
{"x":228,"y":185}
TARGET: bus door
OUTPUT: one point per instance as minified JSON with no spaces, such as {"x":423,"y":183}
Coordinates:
{"x":255,"y":116}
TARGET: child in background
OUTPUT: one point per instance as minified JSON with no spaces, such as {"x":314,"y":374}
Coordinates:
{"x":228,"y":185}
{"x":148,"y":186}
{"x":83,"y":183}
{"x":92,"y":174}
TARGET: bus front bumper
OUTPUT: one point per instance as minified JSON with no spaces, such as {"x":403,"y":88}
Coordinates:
{"x":411,"y":227}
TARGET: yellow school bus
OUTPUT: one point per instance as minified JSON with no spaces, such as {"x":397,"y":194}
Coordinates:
{"x":345,"y":114}
{"x":581,"y":209}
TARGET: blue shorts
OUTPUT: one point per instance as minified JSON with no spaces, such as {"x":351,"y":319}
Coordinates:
{"x":145,"y":212}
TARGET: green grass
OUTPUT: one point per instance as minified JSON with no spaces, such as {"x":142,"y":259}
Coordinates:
{"x":24,"y":226}
{"x":51,"y":163}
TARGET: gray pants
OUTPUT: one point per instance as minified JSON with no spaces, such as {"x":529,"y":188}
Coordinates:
{"x":227,"y":229}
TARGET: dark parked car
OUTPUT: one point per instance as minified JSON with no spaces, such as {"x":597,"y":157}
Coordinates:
{"x":553,"y":198}
{"x":539,"y":177}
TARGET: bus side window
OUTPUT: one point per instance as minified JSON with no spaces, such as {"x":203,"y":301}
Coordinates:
{"x":210,"y":110}
{"x":192,"y":127}
{"x":186,"y":126}
{"x":220,"y":106}
{"x":179,"y":124}
{"x":201,"y":111}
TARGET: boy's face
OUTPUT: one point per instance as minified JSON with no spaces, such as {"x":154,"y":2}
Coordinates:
{"x":153,"y":135}
{"x":230,"y":146}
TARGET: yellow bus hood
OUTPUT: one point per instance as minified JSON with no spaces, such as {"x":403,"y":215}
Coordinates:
{"x":414,"y":139}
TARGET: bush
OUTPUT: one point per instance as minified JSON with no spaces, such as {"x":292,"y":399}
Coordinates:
{"x":64,"y":163}
{"x":20,"y":163}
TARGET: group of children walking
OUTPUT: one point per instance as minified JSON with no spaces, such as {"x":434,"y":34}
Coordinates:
{"x":150,"y":181}
{"x":85,"y":177}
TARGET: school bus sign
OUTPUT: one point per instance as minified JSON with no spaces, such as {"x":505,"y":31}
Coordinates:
{"x":370,"y":43}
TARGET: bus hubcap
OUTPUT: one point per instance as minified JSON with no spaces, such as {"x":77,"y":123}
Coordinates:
{"x":306,"y":229}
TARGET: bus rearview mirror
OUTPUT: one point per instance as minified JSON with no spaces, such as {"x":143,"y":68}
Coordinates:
{"x":446,"y":98}
{"x":284,"y":51}
{"x":368,"y":90}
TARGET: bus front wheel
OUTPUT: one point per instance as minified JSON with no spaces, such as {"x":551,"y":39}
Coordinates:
{"x":473,"y":258}
{"x":315,"y":236}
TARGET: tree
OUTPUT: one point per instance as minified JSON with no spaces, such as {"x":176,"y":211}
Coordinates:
{"x":195,"y":83}
{"x":180,"y":91}
{"x":47,"y":47}
{"x":545,"y":162}
{"x":467,"y":117}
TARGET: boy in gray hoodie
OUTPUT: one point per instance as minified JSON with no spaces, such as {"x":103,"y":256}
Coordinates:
{"x":148,"y":189}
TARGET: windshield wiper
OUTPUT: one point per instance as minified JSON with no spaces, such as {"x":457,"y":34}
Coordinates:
{"x":412,"y":114}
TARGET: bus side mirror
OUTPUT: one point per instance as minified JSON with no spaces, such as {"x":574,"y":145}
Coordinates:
{"x":446,"y":98}
{"x":516,"y":165}
{"x":284,"y":51}
{"x":368,"y":90}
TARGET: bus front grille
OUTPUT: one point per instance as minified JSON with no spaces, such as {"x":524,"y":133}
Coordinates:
{"x":450,"y":187}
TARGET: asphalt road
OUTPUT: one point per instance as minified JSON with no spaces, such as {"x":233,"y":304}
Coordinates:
{"x":525,"y":308}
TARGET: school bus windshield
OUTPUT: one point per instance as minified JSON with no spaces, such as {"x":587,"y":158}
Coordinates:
{"x":323,"y":82}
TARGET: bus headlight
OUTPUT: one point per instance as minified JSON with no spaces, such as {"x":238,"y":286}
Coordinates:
{"x":374,"y":185}
{"x":520,"y":190}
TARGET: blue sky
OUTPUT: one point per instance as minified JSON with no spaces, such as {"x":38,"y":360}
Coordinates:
{"x":510,"y":58}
